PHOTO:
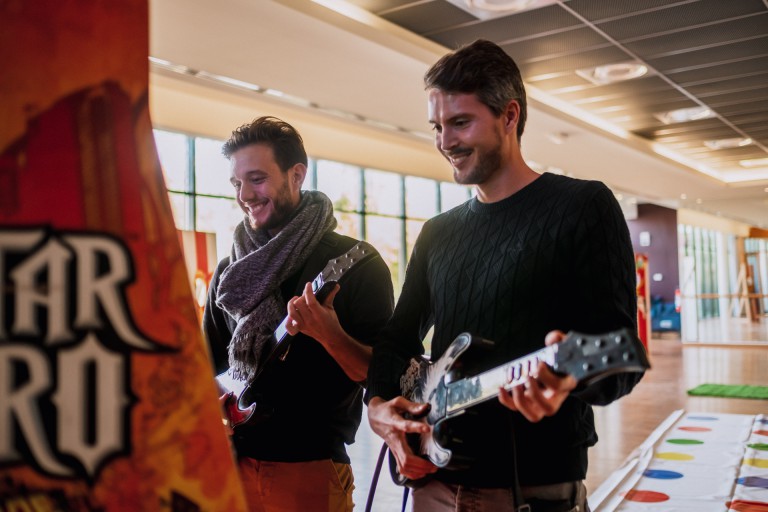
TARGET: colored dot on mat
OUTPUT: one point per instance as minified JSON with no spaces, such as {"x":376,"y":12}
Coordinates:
{"x":759,"y":446}
{"x":685,"y":441}
{"x":646,"y":496}
{"x":747,"y":506}
{"x":662,"y":474}
{"x":695,"y":429}
{"x":758,"y":463}
{"x":763,"y":420}
{"x":753,"y":481}
{"x":761,"y":432}
{"x":674,"y":456}
{"x":701,"y":418}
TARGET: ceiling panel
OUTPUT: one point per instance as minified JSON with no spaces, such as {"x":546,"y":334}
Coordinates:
{"x":744,"y":83}
{"x":572,"y":41}
{"x":584,"y":59}
{"x":428,"y":17}
{"x":712,"y":57}
{"x":700,"y":53}
{"x":741,"y":68}
{"x":509,"y":28}
{"x":710,"y":53}
{"x":677,"y":16}
{"x":702,"y":37}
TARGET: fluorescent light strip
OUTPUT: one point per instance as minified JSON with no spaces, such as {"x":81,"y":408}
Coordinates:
{"x":567,"y":108}
{"x":735,"y":142}
{"x":757,"y":162}
{"x":282,"y":96}
{"x":668,"y":153}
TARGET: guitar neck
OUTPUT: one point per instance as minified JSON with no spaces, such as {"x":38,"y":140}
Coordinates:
{"x":320,"y":288}
{"x":471,"y":391}
{"x":586,"y":357}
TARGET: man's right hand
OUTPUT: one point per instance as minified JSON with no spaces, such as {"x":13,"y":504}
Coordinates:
{"x":387,"y":419}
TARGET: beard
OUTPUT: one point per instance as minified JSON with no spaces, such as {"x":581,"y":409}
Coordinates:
{"x":282,"y":210}
{"x":488,"y":162}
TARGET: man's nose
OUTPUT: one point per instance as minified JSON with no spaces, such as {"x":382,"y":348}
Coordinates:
{"x":245,"y":193}
{"x":445,"y":140}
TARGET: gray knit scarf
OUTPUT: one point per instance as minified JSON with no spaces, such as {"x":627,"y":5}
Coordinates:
{"x":249,"y":288}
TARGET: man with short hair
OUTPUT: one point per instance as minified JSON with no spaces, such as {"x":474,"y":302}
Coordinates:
{"x":294,"y":459}
{"x":530,"y":257}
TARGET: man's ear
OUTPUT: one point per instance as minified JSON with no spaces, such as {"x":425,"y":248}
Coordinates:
{"x":512,"y":115}
{"x":297,"y":174}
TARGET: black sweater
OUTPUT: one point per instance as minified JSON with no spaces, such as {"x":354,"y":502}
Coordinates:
{"x":555,"y":255}
{"x":317,"y":406}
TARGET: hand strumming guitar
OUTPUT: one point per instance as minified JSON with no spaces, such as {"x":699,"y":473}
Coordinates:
{"x":388,"y":420}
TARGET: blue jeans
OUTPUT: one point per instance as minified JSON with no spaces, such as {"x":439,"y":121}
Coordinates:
{"x":436,"y":496}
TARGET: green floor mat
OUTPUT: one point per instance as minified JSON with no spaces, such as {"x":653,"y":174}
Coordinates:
{"x":731,"y":391}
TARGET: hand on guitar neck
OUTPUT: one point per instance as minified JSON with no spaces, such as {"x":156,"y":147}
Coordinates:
{"x":543,"y":392}
{"x":316,"y":319}
{"x":417,"y":426}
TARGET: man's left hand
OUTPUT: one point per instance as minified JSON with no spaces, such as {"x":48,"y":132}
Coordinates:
{"x":316,"y":320}
{"x":543,"y":392}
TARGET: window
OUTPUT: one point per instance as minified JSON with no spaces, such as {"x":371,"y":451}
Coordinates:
{"x":385,"y":208}
{"x":211,"y":170}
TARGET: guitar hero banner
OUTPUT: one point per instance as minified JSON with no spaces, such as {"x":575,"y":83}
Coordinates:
{"x":66,"y":335}
{"x":107,"y":395}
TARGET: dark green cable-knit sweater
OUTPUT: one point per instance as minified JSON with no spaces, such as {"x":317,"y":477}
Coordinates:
{"x":555,"y":255}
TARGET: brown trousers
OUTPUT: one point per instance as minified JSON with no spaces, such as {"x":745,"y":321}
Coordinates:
{"x":314,"y":486}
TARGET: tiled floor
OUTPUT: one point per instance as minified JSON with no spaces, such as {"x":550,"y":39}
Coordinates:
{"x":731,"y":330}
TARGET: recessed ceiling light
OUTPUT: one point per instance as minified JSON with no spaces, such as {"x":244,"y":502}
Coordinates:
{"x":757,"y":162}
{"x":683,"y":115}
{"x":611,"y":73}
{"x":488,"y":9}
{"x":735,"y":142}
{"x":506,"y":6}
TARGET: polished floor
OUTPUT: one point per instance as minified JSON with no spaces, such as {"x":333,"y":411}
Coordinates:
{"x":623,"y":425}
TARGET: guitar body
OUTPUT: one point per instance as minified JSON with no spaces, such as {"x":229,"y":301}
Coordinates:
{"x":458,"y":381}
{"x":244,"y":403}
{"x":426,"y":382}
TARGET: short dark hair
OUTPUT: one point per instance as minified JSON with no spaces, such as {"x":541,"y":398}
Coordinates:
{"x":285,"y":141}
{"x":485,"y":69}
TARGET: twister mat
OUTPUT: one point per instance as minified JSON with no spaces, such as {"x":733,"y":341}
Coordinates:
{"x":693,"y":462}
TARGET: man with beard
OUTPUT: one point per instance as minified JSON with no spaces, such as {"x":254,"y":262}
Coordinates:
{"x":530,"y":257}
{"x":294,"y":459}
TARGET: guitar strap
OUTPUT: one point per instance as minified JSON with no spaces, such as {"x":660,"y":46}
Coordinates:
{"x":375,"y":481}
